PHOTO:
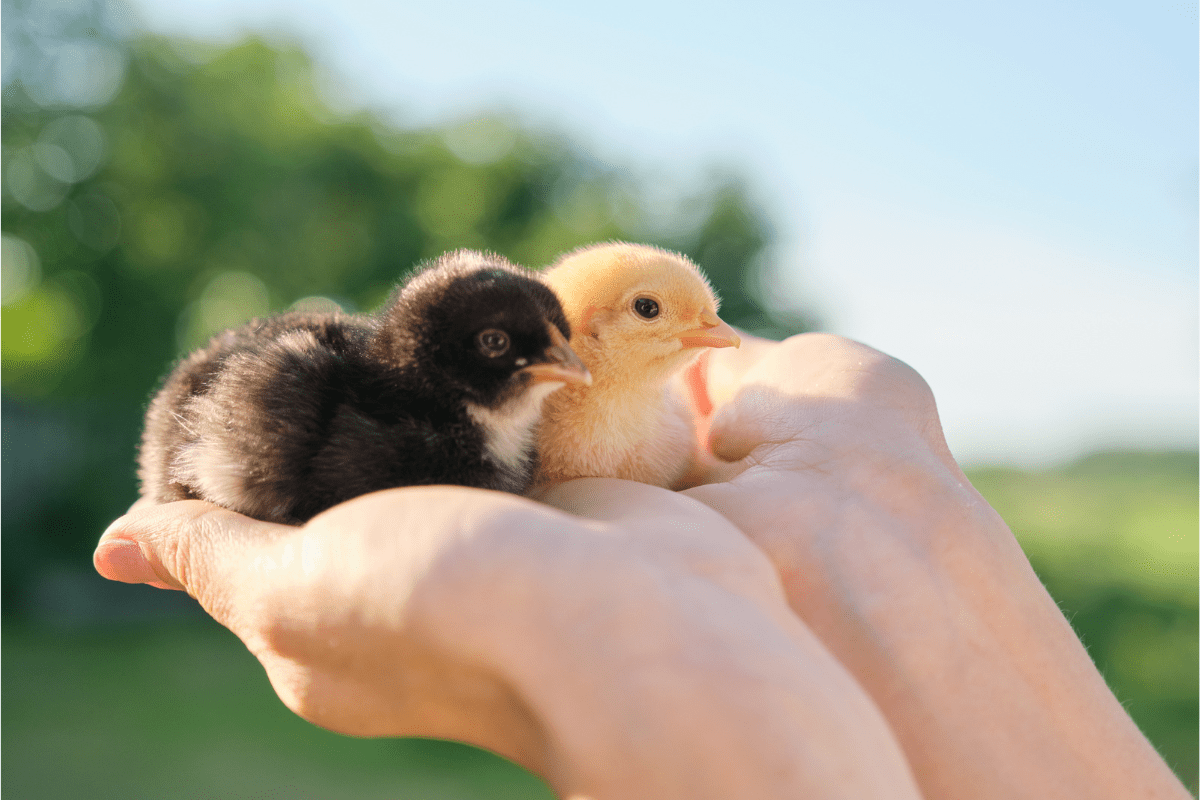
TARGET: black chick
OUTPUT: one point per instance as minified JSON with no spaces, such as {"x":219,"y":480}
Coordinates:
{"x":292,"y":414}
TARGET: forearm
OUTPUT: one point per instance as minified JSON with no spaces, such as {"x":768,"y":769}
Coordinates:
{"x":1007,"y":696}
{"x":976,"y":669}
{"x":913,"y":581}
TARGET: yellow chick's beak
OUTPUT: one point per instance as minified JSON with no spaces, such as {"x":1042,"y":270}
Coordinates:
{"x":712,"y":332}
{"x":561,"y":364}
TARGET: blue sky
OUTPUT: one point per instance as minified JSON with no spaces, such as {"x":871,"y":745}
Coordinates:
{"x":1003,"y":195}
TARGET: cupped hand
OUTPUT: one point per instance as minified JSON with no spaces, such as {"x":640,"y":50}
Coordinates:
{"x":632,"y":642}
{"x":829,"y":455}
{"x":337,"y":611}
{"x":628,"y":643}
{"x":833,"y":462}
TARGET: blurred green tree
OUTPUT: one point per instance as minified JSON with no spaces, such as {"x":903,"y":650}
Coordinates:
{"x":157,"y":191}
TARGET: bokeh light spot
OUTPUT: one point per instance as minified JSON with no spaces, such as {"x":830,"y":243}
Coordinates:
{"x":37,"y":327}
{"x":80,"y":139}
{"x":228,"y":300}
{"x":29,"y":184}
{"x":81,"y":73}
{"x":56,"y":161}
{"x":316,"y":304}
{"x":22,"y":270}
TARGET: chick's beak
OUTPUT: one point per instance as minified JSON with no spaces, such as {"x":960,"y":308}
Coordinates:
{"x":561,"y":364}
{"x":712,"y":332}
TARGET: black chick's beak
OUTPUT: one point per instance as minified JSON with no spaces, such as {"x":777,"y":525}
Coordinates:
{"x":561,"y":365}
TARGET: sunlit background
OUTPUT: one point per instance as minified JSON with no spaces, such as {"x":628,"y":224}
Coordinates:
{"x":1002,"y":195}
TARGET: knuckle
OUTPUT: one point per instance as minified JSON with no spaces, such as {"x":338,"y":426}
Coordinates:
{"x":886,"y":380}
{"x":907,"y":382}
{"x":187,"y":551}
{"x":174,"y":556}
{"x":873,"y":366}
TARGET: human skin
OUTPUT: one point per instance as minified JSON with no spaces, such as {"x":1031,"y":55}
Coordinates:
{"x":842,"y":476}
{"x":643,"y":650}
{"x":629,"y":642}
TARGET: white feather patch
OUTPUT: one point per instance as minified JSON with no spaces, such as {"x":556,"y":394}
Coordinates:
{"x":509,"y":430}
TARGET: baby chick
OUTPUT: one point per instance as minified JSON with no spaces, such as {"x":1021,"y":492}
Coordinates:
{"x":639,"y":315}
{"x":290,"y":415}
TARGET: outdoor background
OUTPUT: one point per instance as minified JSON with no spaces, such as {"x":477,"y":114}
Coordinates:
{"x":166,"y":177}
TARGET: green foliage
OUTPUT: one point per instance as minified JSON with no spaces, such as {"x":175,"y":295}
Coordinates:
{"x":1114,"y":538}
{"x":226,"y":190}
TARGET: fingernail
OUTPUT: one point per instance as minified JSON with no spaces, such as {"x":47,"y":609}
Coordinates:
{"x":115,"y":525}
{"x":122,"y":560}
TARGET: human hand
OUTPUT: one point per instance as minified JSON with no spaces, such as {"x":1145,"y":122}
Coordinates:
{"x":638,"y":646}
{"x":832,"y":460}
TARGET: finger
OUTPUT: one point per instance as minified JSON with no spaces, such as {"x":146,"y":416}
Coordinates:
{"x":812,"y":380}
{"x":735,"y":423}
{"x":695,"y":382}
{"x":756,"y":417}
{"x":761,"y":391}
{"x":673,"y":527}
{"x":124,"y":560}
{"x":725,"y":369}
{"x":190,"y":545}
{"x":141,"y":502}
{"x":710,"y":382}
{"x":618,"y":501}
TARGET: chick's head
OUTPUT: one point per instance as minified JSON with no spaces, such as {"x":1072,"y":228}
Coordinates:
{"x":646,"y":308}
{"x":484,"y":328}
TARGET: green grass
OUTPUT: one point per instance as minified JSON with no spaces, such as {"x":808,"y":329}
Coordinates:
{"x":1115,"y":539}
{"x":184,"y":711}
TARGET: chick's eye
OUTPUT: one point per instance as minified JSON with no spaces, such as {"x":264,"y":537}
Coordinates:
{"x":645,"y":307}
{"x":492,"y":342}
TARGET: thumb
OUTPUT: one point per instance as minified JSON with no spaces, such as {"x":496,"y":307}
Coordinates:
{"x":755,"y":417}
{"x":189,"y":545}
{"x":725,"y":370}
{"x":715,"y":377}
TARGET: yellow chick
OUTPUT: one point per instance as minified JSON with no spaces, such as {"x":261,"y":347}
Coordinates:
{"x":638,"y":316}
